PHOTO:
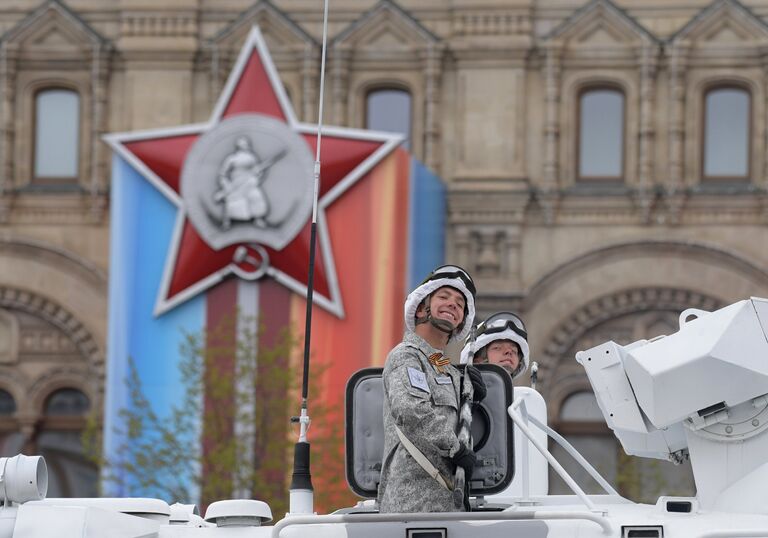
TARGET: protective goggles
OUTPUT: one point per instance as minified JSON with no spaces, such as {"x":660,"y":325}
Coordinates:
{"x":453,"y":271}
{"x":502,"y":321}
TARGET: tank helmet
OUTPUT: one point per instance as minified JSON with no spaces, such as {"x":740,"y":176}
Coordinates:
{"x":499,"y":326}
{"x":445,"y":275}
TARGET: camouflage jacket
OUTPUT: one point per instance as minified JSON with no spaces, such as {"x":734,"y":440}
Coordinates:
{"x":424,"y":404}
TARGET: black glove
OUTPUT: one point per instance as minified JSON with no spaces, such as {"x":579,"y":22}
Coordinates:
{"x":478,"y":385}
{"x":465,"y":458}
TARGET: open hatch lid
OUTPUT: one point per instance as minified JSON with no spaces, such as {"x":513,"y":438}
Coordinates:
{"x":492,"y":433}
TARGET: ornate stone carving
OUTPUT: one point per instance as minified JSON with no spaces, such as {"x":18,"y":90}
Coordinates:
{"x":45,"y":342}
{"x":158,"y":24}
{"x":9,"y":337}
{"x":57,"y":316}
{"x":487,"y":227}
{"x":487,"y":253}
{"x":491,"y":23}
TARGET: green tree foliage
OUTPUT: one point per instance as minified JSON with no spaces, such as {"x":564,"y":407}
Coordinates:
{"x":241,"y":383}
{"x":243,"y":434}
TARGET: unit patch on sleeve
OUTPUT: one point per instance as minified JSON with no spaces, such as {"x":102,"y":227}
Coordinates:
{"x":418,"y":379}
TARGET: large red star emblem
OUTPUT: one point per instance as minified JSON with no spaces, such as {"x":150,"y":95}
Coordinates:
{"x":193,"y":264}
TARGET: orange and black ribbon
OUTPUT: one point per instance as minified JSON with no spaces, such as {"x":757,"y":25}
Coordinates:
{"x":439,"y":361}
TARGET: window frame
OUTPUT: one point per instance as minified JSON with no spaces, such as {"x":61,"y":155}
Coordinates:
{"x":622,"y":178}
{"x":392,"y":87}
{"x":726,"y":85}
{"x":34,"y":179}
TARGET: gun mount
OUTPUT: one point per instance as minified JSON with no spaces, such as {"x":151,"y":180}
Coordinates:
{"x":702,"y":393}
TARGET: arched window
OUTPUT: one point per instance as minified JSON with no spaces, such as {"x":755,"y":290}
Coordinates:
{"x":726,"y":133}
{"x":581,"y":422}
{"x":11,"y":440}
{"x":57,"y":132}
{"x":7,"y":404}
{"x":389,"y":110}
{"x":67,"y":403}
{"x":59,"y":439}
{"x":601,"y":135}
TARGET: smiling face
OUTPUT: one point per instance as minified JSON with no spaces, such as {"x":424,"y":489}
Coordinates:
{"x":446,"y":304}
{"x":505,"y":353}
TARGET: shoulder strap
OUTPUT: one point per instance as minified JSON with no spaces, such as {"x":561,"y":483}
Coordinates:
{"x":422,"y":460}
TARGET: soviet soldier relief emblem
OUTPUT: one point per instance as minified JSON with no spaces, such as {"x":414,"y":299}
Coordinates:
{"x":240,"y":177}
{"x":248,"y":180}
{"x":242,"y":185}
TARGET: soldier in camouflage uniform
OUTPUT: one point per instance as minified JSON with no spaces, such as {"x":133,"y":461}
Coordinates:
{"x":422,"y":398}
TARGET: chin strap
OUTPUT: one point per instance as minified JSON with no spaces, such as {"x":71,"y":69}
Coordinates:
{"x":439,"y":324}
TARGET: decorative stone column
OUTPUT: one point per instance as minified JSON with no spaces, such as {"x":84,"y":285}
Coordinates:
{"x":764,"y":183}
{"x":674,"y":190}
{"x":551,"y":76}
{"x":4,"y":113}
{"x":99,"y":126}
{"x":309,"y":84}
{"x":214,"y":82}
{"x":648,"y":69}
{"x":7,"y":97}
{"x":433,"y":71}
{"x":340,"y":83}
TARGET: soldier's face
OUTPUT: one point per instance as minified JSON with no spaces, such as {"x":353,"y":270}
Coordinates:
{"x":448,"y":304}
{"x":505,"y":353}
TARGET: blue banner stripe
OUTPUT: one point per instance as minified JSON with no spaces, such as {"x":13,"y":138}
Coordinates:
{"x":427,"y":223}
{"x":142,"y":227}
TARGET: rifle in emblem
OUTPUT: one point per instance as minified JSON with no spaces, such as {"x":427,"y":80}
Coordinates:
{"x":257,"y":171}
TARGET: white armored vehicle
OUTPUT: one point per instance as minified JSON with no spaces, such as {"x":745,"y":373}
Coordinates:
{"x":700,"y":393}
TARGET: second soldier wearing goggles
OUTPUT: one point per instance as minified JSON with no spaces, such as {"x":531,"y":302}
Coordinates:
{"x":501,"y":339}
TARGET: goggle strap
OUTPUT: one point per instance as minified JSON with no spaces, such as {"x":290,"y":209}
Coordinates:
{"x":509,"y":325}
{"x":456,"y":274}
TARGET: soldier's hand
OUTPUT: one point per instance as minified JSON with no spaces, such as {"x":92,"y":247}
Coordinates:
{"x":465,"y":458}
{"x":478,"y":385}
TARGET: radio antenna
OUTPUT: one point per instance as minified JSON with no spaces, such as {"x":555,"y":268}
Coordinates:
{"x":301,"y":491}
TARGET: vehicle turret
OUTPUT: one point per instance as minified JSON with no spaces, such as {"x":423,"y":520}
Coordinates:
{"x":702,"y":393}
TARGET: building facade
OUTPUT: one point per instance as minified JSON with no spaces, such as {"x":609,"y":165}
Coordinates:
{"x":605,"y":160}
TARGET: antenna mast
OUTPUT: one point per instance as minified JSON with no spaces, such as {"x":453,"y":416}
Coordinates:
{"x":301,"y":491}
